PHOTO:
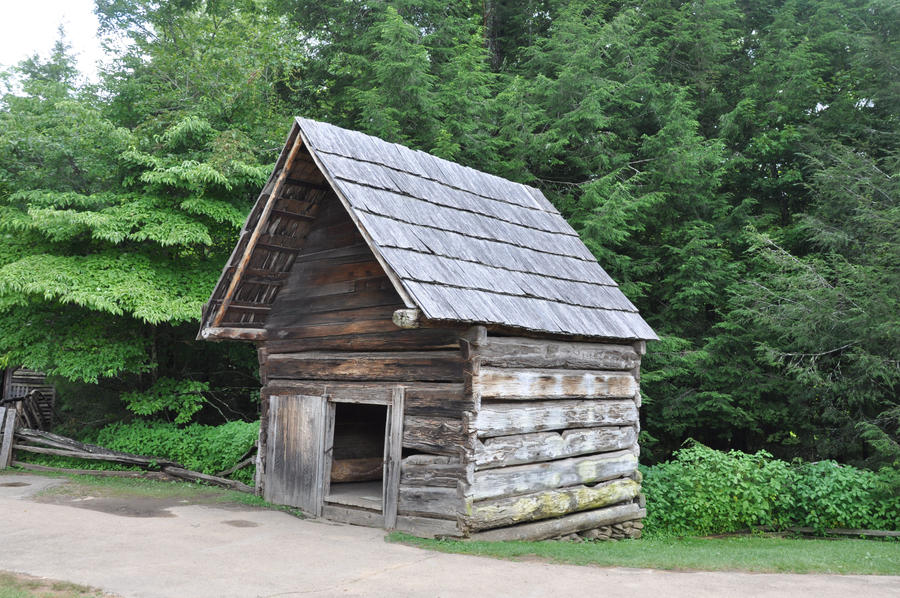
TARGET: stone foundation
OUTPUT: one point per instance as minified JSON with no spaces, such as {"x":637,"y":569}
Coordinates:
{"x":617,"y":531}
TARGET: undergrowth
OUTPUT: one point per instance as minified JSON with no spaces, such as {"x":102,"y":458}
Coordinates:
{"x":703,"y":491}
{"x":207,"y":449}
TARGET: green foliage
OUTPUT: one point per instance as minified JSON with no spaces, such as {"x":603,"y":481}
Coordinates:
{"x":208,"y":449}
{"x":830,"y":495}
{"x":183,"y":397}
{"x":732,"y":165}
{"x":703,"y":491}
{"x":110,"y":238}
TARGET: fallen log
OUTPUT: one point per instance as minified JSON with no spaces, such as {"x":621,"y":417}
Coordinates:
{"x":124,"y":459}
{"x":551,"y":528}
{"x":357,"y":470}
{"x":871,"y":533}
{"x":240,"y":465}
{"x":62,"y":442}
{"x":100,"y":473}
{"x":67,"y":447}
{"x":196,"y":476}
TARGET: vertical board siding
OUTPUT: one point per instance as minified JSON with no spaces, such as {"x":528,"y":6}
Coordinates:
{"x":296,"y":452}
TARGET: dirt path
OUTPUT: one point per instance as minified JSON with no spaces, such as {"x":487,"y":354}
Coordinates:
{"x":201,"y":551}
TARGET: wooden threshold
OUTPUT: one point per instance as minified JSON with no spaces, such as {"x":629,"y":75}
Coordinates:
{"x":353,"y":515}
{"x":365,"y":495}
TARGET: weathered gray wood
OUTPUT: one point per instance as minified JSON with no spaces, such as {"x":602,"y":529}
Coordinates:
{"x":521,"y":352}
{"x":101,"y":473}
{"x":8,"y":430}
{"x":427,"y":501}
{"x":355,"y":470}
{"x":426,"y":366}
{"x":871,"y":533}
{"x":393,"y":452}
{"x":501,"y":512}
{"x":217,"y":333}
{"x":196,"y":476}
{"x":330,"y":329}
{"x":111,"y":457}
{"x":421,"y":339}
{"x":501,"y":383}
{"x":296,"y":454}
{"x":505,"y":419}
{"x":337,"y":392}
{"x":168,"y":467}
{"x":328,"y":444}
{"x":267,"y":208}
{"x":440,"y":435}
{"x":442,"y":399}
{"x":313,"y":426}
{"x":366,"y":495}
{"x":524,"y":479}
{"x":407,"y":300}
{"x":239,"y":465}
{"x":62,"y":442}
{"x":445,"y":473}
{"x":353,"y":516}
{"x":438,"y":400}
{"x":546,"y":446}
{"x":408,"y":318}
{"x":552,"y":528}
{"x":426,"y":527}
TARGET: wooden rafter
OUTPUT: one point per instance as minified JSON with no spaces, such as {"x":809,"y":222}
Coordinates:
{"x":257,"y":231}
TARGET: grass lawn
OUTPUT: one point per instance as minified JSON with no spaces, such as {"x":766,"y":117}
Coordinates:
{"x":751,"y":553}
{"x":15,"y":585}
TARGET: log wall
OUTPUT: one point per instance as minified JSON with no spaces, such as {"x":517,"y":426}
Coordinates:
{"x":502,"y":436}
{"x":553,"y":436}
{"x":330,"y":333}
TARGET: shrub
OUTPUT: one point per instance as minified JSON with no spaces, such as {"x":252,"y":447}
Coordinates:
{"x":208,"y":449}
{"x":829,"y":495}
{"x":703,"y":491}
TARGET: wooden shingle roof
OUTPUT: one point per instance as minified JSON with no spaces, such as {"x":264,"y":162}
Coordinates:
{"x":466,"y":246}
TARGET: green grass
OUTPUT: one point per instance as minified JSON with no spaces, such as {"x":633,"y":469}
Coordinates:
{"x":13,"y":585}
{"x":751,"y":553}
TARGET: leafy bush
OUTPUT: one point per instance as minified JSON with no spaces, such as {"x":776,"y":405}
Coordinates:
{"x":704,"y":491}
{"x":208,"y":449}
{"x":829,"y":495}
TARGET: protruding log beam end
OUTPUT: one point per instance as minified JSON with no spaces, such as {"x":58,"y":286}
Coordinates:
{"x":224,"y":333}
{"x":408,"y":318}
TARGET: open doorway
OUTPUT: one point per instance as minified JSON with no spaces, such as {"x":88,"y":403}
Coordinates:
{"x":356,"y":476}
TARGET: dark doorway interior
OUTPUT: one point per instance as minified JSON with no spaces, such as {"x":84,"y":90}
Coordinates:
{"x":357,"y":470}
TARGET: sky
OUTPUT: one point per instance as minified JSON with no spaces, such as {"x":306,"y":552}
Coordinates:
{"x":30,"y":26}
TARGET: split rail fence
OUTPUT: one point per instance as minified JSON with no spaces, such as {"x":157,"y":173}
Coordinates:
{"x":20,"y":439}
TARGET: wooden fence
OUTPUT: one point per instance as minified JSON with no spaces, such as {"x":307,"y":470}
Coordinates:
{"x":20,"y":439}
{"x":7,"y":435}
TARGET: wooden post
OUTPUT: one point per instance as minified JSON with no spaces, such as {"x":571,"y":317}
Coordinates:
{"x":393,"y":457}
{"x":7,"y":432}
{"x":257,"y":231}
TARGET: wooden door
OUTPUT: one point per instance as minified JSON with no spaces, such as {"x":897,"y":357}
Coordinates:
{"x":295,"y":458}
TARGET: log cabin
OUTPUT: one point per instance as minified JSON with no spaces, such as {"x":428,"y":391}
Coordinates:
{"x":439,"y":352}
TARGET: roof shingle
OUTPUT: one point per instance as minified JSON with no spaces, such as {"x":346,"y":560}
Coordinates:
{"x":470,"y":246}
